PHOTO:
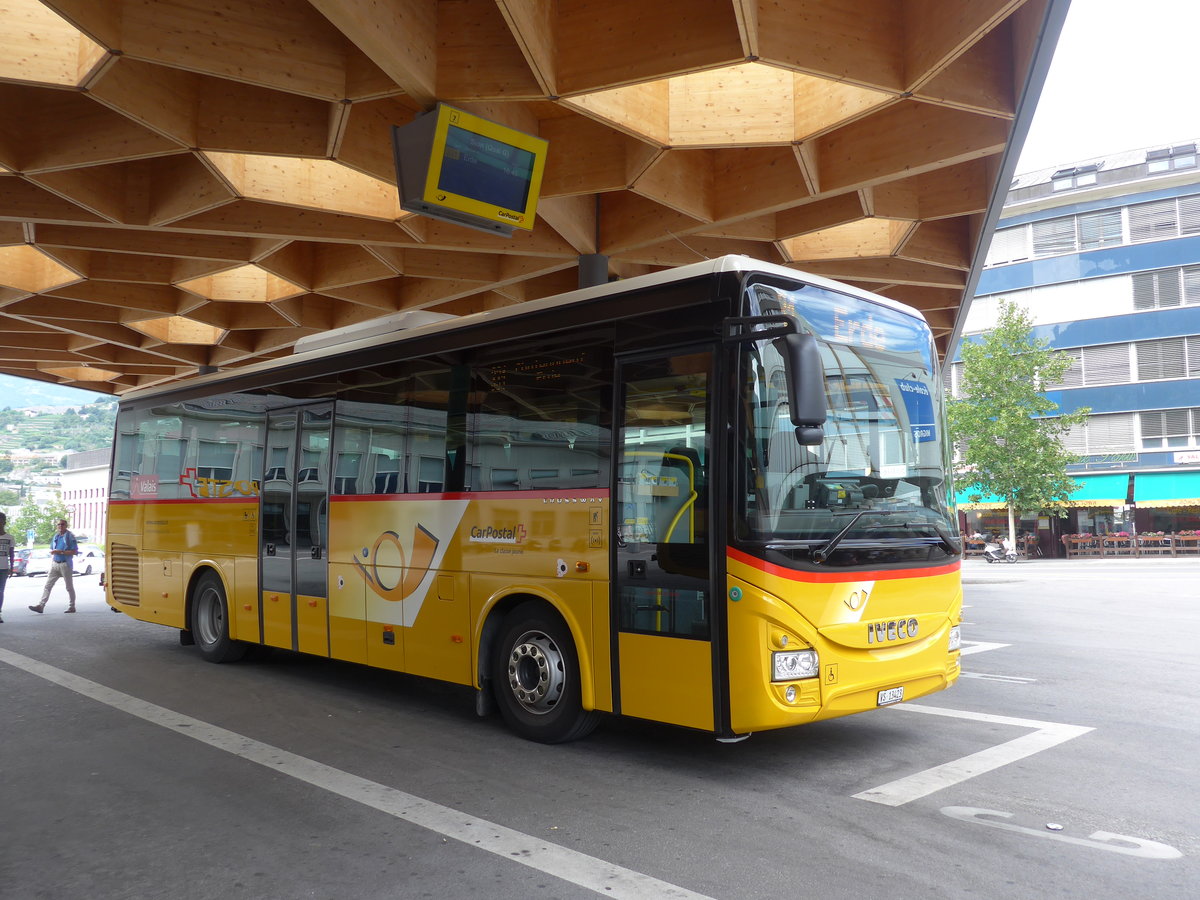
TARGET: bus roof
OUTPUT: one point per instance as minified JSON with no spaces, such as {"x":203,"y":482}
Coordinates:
{"x":415,"y":323}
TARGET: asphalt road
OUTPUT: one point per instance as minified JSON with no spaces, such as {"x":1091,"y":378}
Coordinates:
{"x":1062,"y":765}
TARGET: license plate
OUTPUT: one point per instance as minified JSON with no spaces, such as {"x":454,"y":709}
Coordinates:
{"x":891,"y":695}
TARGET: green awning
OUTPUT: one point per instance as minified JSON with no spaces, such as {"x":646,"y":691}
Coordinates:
{"x":1095,"y":490}
{"x":1166,"y":489}
{"x":1100,"y":490}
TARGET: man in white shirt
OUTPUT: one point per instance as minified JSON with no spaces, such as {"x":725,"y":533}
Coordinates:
{"x":6,"y":558}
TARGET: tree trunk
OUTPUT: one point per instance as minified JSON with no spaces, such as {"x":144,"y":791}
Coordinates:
{"x":1012,"y":525}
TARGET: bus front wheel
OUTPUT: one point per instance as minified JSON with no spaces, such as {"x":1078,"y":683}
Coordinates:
{"x":210,"y":622}
{"x":535,"y":675}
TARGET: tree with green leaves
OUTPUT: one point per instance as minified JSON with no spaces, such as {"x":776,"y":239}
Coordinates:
{"x":40,"y":519}
{"x":1006,"y":434}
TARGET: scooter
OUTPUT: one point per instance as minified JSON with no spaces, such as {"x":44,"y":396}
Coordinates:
{"x":1005,"y":550}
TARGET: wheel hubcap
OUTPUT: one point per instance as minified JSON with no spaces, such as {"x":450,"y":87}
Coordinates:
{"x":536,"y":672}
{"x":208,"y":617}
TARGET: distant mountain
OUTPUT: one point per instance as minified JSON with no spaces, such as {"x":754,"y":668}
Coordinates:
{"x":21,"y":393}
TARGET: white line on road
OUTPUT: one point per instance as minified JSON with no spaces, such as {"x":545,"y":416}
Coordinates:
{"x":577,"y":868}
{"x":913,"y":787}
{"x":1007,"y":679}
{"x":979,"y":647}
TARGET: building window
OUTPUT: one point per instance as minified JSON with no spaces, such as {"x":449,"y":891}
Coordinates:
{"x":1009,"y":245}
{"x":1156,"y":290}
{"x":1153,"y":221}
{"x":1054,"y":236}
{"x":1166,"y":358}
{"x":1166,"y":288}
{"x":1162,"y":219}
{"x":1111,"y":433}
{"x":1170,"y":429}
{"x":1180,"y":157}
{"x":1077,"y":177}
{"x":1107,"y":364}
{"x":1100,"y":229}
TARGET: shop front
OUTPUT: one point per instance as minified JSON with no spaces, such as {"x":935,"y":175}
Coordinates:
{"x":1141,"y":514}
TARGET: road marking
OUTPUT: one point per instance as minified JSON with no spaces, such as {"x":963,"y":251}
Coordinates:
{"x":979,"y":647}
{"x":922,"y":784}
{"x":1099,"y":840}
{"x":577,"y":868}
{"x":1007,"y":679}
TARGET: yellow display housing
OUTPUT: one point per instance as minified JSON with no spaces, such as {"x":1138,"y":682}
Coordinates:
{"x":458,"y":132}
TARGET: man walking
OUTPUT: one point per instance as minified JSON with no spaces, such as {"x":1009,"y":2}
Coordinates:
{"x":62,"y":547}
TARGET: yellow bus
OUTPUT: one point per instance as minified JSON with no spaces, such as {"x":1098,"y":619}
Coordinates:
{"x":715,"y":497}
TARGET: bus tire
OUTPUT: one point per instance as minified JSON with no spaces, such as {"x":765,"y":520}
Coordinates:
{"x":210,"y":622}
{"x":535,"y":676}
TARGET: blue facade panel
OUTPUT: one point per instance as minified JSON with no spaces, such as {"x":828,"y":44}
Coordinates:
{"x":1140,"y":326}
{"x":1130,"y":397}
{"x":1101,"y":263}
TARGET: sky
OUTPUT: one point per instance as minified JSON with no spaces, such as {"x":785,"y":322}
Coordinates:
{"x":1122,"y":78}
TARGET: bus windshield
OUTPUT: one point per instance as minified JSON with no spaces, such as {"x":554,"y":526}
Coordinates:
{"x":874,"y":492}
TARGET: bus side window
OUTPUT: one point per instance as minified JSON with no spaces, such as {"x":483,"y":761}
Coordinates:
{"x":539,"y":420}
{"x":391,"y":429}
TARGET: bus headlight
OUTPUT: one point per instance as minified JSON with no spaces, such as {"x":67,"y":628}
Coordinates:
{"x":955,"y":638}
{"x":792,"y":665}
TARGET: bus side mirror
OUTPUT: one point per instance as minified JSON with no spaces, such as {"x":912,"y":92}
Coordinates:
{"x":806,"y":386}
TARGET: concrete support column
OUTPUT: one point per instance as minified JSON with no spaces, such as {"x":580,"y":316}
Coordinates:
{"x":593,"y":269}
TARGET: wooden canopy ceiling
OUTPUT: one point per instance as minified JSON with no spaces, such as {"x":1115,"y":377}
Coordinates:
{"x":195,"y":183}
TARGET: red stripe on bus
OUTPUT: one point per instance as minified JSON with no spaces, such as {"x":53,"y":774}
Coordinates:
{"x":183,"y":500}
{"x":598,"y":494}
{"x":834,"y":577}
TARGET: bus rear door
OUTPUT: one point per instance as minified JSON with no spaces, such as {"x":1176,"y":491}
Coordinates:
{"x":294,"y":609}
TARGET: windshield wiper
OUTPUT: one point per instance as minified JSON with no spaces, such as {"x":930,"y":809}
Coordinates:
{"x":945,"y":539}
{"x":820,"y":554}
{"x":952,"y":546}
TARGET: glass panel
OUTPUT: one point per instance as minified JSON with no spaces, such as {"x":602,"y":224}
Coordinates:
{"x":312,"y":502}
{"x":883,"y":454}
{"x":277,"y":522}
{"x":542,"y":415}
{"x":663,"y":449}
{"x":664,"y":611}
{"x":661,"y":506}
{"x":391,"y":429}
{"x":215,"y":460}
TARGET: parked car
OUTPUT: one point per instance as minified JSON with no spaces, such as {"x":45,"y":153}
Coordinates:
{"x":20,"y":560}
{"x":38,"y":562}
{"x":88,"y":561}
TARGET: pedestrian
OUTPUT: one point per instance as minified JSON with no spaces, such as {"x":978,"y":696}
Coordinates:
{"x":6,"y":558}
{"x":62,"y":547}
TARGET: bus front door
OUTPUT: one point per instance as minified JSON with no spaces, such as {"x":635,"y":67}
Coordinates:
{"x":294,"y":607}
{"x":662,"y":580}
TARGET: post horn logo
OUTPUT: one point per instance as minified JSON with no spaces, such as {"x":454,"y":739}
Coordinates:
{"x":412,"y":573}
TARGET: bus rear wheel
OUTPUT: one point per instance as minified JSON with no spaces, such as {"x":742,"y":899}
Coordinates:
{"x":535,"y":676}
{"x":210,"y":622}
